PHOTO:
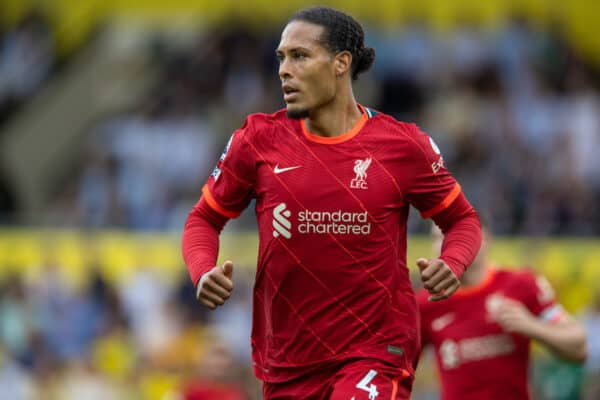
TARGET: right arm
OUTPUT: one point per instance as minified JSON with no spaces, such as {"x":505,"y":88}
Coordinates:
{"x":200,"y":247}
{"x":565,"y":336}
{"x":226,"y":193}
{"x":539,"y":317}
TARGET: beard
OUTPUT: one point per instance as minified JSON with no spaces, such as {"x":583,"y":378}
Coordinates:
{"x":297,"y":114}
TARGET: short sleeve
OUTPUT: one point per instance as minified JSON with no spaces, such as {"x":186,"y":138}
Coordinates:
{"x":230,"y":187}
{"x":428,"y":185}
{"x":541,"y":299}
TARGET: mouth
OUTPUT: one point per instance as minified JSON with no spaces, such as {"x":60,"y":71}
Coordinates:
{"x":289,"y":93}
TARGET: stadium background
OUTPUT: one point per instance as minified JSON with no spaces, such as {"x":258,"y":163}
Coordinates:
{"x":113,"y":112}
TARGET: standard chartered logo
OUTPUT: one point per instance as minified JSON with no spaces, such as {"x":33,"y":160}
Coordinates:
{"x":320,"y":222}
{"x":454,"y":354}
{"x":281,"y":222}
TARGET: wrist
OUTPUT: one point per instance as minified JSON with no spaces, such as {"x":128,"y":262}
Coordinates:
{"x":457,"y":270}
{"x":533,"y":328}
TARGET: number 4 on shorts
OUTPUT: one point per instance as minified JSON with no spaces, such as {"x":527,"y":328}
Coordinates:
{"x":364,"y":384}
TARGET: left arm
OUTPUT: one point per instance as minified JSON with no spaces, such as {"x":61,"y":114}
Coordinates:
{"x":565,"y":337}
{"x":462,"y":238}
{"x":431,"y":189}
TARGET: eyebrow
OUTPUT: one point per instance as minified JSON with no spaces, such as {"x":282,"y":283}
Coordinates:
{"x":279,"y":51}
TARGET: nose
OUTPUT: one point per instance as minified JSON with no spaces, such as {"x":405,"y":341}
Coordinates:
{"x":284,"y":70}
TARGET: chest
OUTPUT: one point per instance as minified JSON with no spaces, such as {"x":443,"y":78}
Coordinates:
{"x":351,"y":177}
{"x":472,"y":317}
{"x":468,"y":333}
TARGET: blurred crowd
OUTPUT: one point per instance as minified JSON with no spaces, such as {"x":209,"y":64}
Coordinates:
{"x":145,"y":338}
{"x":514,"y":112}
{"x":27,"y":59}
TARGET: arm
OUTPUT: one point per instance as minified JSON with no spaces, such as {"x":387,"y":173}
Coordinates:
{"x":462,"y":239}
{"x":462,"y":235}
{"x":200,"y":247}
{"x":565,"y":337}
{"x":431,"y":189}
{"x":224,"y":196}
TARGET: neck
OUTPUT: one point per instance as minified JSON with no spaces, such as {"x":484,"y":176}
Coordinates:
{"x":335,"y":118}
{"x":475,"y":274}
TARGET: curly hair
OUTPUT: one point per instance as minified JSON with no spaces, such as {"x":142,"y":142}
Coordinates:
{"x":341,"y":33}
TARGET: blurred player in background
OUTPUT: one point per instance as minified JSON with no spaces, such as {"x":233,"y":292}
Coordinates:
{"x":486,"y":356}
{"x":334,"y":314}
{"x":217,"y":377}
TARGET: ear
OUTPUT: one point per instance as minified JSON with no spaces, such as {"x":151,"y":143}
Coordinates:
{"x":342,"y":63}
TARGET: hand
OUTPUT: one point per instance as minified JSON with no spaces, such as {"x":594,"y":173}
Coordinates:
{"x":215,"y":286}
{"x":437,"y":278}
{"x":513,"y":316}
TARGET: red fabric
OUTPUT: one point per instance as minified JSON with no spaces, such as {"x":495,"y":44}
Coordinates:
{"x":476,"y":359}
{"x":360,"y":380}
{"x":211,"y":391}
{"x":462,"y":234}
{"x":200,"y":242}
{"x":332,"y":282}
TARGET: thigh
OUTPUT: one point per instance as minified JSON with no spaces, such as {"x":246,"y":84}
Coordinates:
{"x":311,"y":387}
{"x":368,"y":380}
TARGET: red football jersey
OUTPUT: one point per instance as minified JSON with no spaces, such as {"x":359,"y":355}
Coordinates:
{"x":331,"y":282}
{"x":476,"y":359}
{"x":209,"y":391}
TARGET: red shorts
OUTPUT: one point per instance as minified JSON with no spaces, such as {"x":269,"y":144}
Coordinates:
{"x":356,"y":380}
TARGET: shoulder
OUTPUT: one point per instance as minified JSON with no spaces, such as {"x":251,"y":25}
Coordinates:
{"x":535,"y":291}
{"x":258,"y":121}
{"x":512,"y":277}
{"x":526,"y":281}
{"x":392,"y":125}
{"x":537,"y":284}
{"x":259,"y":125}
{"x":406,"y":134}
{"x":517,"y":275}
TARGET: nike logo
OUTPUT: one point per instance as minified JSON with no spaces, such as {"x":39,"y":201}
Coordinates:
{"x":278,"y":170}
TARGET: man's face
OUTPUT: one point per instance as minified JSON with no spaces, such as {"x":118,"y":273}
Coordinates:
{"x":306,"y":69}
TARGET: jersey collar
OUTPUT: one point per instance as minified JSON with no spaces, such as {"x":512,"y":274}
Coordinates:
{"x":344,"y":137}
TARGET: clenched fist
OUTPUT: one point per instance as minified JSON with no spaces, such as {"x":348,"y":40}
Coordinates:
{"x":215,"y":286}
{"x":437,"y":278}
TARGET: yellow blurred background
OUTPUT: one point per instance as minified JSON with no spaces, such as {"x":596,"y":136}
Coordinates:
{"x":74,"y":20}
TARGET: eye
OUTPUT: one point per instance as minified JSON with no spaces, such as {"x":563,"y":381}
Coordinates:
{"x":299,"y":56}
{"x":279,"y":57}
